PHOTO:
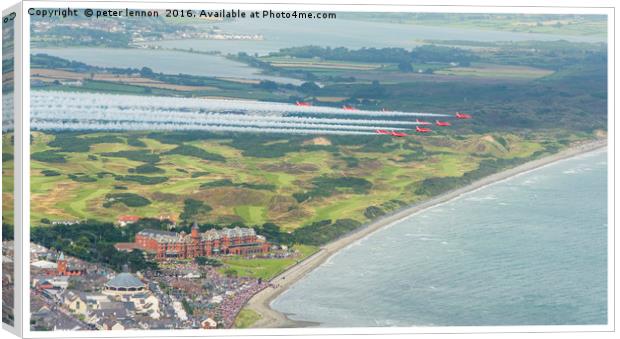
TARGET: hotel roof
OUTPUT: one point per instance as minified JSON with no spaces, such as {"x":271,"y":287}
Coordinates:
{"x":162,"y":236}
{"x":212,"y":234}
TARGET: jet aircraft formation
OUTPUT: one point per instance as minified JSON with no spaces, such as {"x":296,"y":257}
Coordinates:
{"x":110,"y":112}
{"x":399,"y":134}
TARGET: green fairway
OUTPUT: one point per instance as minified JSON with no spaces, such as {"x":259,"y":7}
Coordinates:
{"x":254,"y":189}
{"x":252,"y":215}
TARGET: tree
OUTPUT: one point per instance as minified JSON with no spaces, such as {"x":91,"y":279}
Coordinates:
{"x":405,"y":66}
{"x":373,"y":212}
{"x":231,"y":273}
{"x":146,"y":72}
{"x":309,"y":87}
{"x":271,"y":231}
{"x":268,"y":85}
{"x":374,"y":91}
{"x":201,"y":260}
{"x":188,"y":308}
{"x":214,"y":262}
{"x":192,"y":208}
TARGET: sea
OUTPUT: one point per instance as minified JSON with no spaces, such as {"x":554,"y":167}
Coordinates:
{"x":529,"y":250}
{"x":353,"y":34}
{"x":164,"y":61}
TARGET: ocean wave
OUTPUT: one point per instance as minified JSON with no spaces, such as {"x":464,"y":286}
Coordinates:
{"x":485,"y":198}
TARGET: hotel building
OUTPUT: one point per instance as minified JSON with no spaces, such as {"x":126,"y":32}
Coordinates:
{"x":171,"y":245}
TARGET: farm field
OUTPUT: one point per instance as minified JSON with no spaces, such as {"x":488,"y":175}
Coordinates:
{"x":579,"y":25}
{"x":389,"y":72}
{"x":310,"y":63}
{"x":497,"y":71}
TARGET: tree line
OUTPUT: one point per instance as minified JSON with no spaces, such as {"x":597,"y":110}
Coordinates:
{"x":421,"y":54}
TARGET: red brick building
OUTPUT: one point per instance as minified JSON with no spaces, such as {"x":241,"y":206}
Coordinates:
{"x":171,"y":245}
{"x":125,"y":220}
{"x":64,"y":268}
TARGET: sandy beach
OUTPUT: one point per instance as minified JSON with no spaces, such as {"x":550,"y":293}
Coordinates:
{"x":270,"y":318}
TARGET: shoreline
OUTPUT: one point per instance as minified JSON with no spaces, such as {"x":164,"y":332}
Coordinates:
{"x":261,"y":302}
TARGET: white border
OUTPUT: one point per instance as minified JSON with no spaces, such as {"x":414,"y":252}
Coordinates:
{"x":17,"y":172}
{"x":25,"y":203}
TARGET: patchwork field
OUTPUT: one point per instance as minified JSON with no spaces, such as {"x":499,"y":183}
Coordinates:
{"x":497,"y":71}
{"x":310,"y":63}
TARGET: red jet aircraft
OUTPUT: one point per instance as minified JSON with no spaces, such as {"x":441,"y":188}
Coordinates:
{"x":398,"y":134}
{"x":303,"y":103}
{"x":392,"y":133}
{"x":442,"y":123}
{"x":349,"y":108}
{"x":462,"y":115}
{"x":422,"y":129}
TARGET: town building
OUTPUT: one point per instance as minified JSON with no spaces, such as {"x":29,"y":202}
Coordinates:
{"x":208,"y":324}
{"x":144,"y":303}
{"x":124,"y":284}
{"x":56,"y":282}
{"x":125,"y":220}
{"x":64,"y":268}
{"x":75,"y":302}
{"x":171,"y":245}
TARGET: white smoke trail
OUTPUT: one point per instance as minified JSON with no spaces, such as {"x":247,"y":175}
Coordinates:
{"x":69,"y":112}
{"x":7,"y":112}
{"x":89,"y":100}
{"x":206,"y":122}
{"x":141,"y":126}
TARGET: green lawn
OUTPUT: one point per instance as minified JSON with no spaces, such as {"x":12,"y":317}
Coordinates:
{"x":246,"y":318}
{"x":265,"y":269}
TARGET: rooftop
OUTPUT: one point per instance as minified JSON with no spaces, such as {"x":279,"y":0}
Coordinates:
{"x":125,"y":218}
{"x":212,"y":234}
{"x":125,"y":280}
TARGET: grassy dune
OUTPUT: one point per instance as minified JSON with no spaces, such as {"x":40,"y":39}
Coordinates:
{"x":253,"y":190}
